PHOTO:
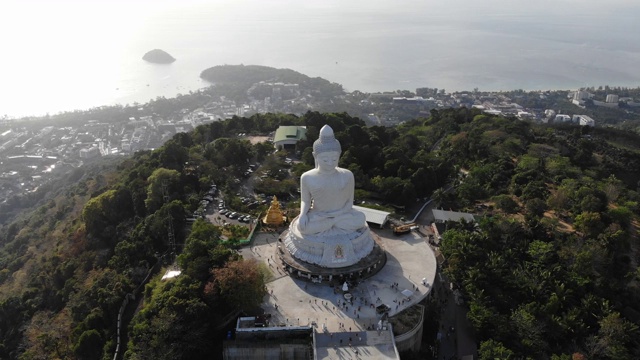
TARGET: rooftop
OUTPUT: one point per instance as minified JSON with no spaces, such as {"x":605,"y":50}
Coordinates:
{"x":290,"y":133}
{"x":443,"y":215}
{"x":373,"y":216}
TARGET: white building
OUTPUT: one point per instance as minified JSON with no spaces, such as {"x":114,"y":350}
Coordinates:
{"x":441,"y":216}
{"x":411,"y":100}
{"x":524,"y":115}
{"x":373,"y":216}
{"x":581,"y":95}
{"x":562,"y":118}
{"x":89,"y":153}
{"x":612,"y":98}
{"x":584,"y":120}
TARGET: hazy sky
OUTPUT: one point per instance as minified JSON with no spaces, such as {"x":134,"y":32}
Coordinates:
{"x":33,"y":29}
{"x":67,"y":47}
{"x":40,"y":21}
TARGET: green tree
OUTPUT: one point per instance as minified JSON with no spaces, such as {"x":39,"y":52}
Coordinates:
{"x":438,"y":196}
{"x":614,"y":338}
{"x":240,"y":282}
{"x":174,"y":154}
{"x":103,"y":213}
{"x":196,"y":259}
{"x":612,"y":188}
{"x":621,"y":214}
{"x":394,"y":190}
{"x":89,"y":345}
{"x":535,"y":207}
{"x":530,"y":330}
{"x":589,"y":223}
{"x":534,"y":190}
{"x":226,"y":152}
{"x":559,"y":200}
{"x":175,"y":322}
{"x":483,"y":318}
{"x":155,"y":189}
{"x":560,"y":167}
{"x":541,"y":254}
{"x":506,"y":203}
{"x":469,"y":191}
{"x":492,"y":350}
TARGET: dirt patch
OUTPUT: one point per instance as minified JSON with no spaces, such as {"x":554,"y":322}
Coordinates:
{"x":562,"y":225}
{"x":257,"y":139}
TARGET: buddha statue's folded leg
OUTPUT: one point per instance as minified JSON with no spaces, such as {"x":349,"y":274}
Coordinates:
{"x":316,"y":225}
{"x":353,"y":220}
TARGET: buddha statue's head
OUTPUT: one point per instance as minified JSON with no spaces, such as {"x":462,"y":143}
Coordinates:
{"x":326,"y":150}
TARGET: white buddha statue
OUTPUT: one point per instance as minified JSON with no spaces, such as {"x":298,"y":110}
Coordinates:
{"x":327,"y":192}
{"x":328,"y":232}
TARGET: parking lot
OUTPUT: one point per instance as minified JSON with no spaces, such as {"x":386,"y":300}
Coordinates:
{"x":217,"y":213}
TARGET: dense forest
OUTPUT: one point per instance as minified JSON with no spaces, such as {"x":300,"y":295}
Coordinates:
{"x":550,"y":272}
{"x":553,"y":272}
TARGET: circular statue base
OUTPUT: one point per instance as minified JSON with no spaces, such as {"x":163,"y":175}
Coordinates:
{"x":334,"y":248}
{"x":366,"y":267}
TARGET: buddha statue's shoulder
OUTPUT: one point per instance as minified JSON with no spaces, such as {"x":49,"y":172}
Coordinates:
{"x":314,"y":174}
{"x":307,"y":175}
{"x":345,"y":175}
{"x":311,"y":179}
{"x":344,"y":172}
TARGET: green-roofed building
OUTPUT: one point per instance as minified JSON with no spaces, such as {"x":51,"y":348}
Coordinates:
{"x":287,"y":137}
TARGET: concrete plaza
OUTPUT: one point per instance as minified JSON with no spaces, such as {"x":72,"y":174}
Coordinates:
{"x":348,"y":330}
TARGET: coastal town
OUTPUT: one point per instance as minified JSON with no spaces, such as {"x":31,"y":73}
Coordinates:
{"x":31,"y":154}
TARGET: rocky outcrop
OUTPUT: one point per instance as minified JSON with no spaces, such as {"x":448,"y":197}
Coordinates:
{"x":158,"y":56}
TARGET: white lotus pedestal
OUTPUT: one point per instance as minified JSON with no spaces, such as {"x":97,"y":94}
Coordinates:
{"x":333,"y":249}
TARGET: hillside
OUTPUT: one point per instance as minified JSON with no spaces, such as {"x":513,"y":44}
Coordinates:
{"x":553,"y":271}
{"x":247,"y":75}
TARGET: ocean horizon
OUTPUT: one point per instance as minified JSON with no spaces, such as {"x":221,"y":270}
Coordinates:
{"x":90,"y":55}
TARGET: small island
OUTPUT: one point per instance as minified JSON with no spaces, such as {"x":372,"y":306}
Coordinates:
{"x":158,"y":56}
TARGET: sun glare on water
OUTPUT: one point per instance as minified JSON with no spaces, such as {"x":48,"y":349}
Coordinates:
{"x":44,"y":43}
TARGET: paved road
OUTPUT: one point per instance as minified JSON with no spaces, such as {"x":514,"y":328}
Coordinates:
{"x":457,"y":339}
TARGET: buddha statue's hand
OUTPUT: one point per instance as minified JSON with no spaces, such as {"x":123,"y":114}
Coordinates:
{"x":303,"y":220}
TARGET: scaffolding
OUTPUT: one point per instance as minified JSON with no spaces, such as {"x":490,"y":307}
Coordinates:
{"x":171,"y":235}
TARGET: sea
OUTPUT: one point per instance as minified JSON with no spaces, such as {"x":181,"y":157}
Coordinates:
{"x":75,"y":55}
